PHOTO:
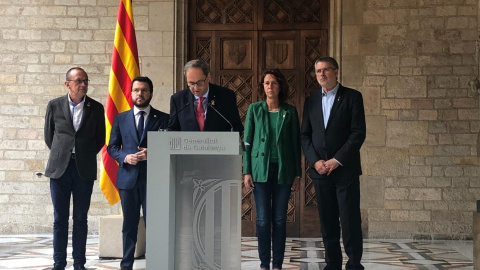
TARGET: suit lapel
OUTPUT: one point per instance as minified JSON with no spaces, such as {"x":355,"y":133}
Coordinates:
{"x":87,"y":109}
{"x":264,"y":119}
{"x":152,"y":119}
{"x":212,"y":94}
{"x":265,"y":114}
{"x":66,"y":112}
{"x":336,"y":103}
{"x":211,"y":97}
{"x":191,"y":99}
{"x":129,"y":122}
{"x":317,"y":107}
{"x":282,"y":114}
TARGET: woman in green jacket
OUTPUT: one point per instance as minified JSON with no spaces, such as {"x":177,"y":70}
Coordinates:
{"x":271,"y":163}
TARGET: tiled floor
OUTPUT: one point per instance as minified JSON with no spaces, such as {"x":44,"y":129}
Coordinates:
{"x":34,"y":252}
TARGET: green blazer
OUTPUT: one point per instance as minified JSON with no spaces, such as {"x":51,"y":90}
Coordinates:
{"x":257,"y":136}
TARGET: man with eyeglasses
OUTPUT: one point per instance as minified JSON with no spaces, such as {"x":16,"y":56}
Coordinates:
{"x":332,"y":133}
{"x":74,"y":132}
{"x":191,"y":109}
{"x":128,"y":146}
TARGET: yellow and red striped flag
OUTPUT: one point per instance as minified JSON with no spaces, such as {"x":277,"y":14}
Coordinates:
{"x":124,"y":69}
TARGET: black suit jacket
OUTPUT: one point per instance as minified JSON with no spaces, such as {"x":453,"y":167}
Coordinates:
{"x":343,"y":136}
{"x":60,"y":137}
{"x":223,"y":99}
{"x":124,"y":141}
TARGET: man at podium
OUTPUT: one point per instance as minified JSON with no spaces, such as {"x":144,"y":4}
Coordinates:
{"x":128,"y":146}
{"x":203,"y":106}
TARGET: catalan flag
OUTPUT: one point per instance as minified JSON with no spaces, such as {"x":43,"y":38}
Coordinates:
{"x":124,"y":69}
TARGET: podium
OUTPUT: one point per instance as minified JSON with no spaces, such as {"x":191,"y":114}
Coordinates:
{"x":193,"y":201}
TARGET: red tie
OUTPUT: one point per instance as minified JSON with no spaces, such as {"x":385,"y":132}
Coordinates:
{"x":200,"y":114}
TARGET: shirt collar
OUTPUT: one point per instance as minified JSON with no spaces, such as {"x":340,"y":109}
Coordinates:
{"x":73,"y":103}
{"x":146,"y":110}
{"x":205,"y":96}
{"x":331,"y":92}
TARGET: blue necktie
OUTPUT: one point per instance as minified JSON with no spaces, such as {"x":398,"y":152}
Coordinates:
{"x":141,"y":125}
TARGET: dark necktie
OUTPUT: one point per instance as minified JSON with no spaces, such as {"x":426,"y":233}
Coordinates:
{"x":141,"y":125}
{"x":200,"y":114}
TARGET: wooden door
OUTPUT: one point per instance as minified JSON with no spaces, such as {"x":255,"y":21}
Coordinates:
{"x":241,"y":40}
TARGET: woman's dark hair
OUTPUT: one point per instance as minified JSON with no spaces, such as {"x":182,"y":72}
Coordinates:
{"x":282,"y":84}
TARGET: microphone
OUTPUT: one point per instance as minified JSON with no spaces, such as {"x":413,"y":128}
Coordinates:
{"x":162,"y":126}
{"x":224,"y":118}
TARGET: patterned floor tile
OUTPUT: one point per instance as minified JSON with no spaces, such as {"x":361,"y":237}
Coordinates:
{"x":34,"y":252}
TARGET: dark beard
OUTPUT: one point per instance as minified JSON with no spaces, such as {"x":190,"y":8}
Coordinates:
{"x":144,"y":104}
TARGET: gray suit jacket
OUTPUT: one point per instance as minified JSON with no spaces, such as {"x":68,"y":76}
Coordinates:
{"x":60,"y":137}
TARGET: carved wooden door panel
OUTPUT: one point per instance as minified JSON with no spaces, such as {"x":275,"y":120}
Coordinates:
{"x":241,"y":40}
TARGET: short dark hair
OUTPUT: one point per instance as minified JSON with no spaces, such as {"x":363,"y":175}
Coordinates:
{"x":197,"y":63}
{"x":143,"y":79}
{"x":67,"y":75}
{"x":282,"y":84}
{"x":329,"y":60}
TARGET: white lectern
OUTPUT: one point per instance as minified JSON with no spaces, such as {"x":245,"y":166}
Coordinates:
{"x":193,"y":201}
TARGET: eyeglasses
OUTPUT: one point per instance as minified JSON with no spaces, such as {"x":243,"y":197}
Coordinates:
{"x":324,"y":70}
{"x":197,"y":83}
{"x":138,"y":91}
{"x":79,"y":81}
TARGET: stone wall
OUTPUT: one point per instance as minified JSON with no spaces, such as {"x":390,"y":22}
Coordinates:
{"x":39,"y":42}
{"x":413,"y":60}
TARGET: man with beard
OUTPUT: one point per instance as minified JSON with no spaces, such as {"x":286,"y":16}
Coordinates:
{"x":128,"y":146}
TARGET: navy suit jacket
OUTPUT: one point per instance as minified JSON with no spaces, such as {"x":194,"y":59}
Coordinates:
{"x":343,"y":136}
{"x":60,"y":137}
{"x":124,"y":141}
{"x":223,"y":99}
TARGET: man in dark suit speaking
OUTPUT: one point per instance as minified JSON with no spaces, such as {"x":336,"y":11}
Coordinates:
{"x":191,"y":109}
{"x":333,"y":130}
{"x":74,"y":133}
{"x":128,"y":146}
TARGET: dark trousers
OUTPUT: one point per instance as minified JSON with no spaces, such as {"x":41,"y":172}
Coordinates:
{"x":61,"y":190}
{"x":340,"y":198}
{"x":132,"y":200}
{"x":271,"y":201}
